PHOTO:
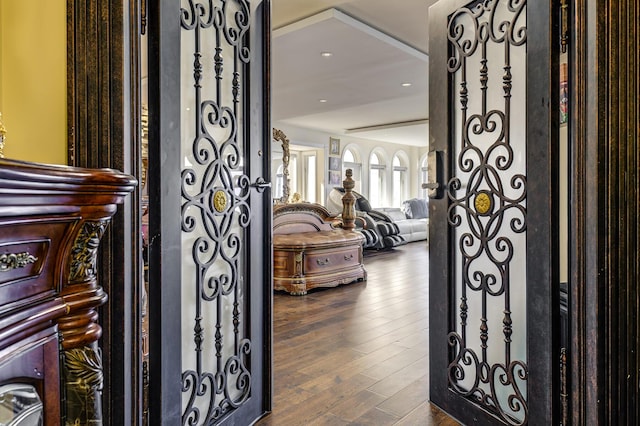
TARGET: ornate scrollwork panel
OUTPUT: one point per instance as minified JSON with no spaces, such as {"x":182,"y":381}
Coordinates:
{"x":487,"y":208}
{"x":83,"y":379}
{"x":216,"y":345}
{"x":278,"y":135}
{"x":85,"y":250}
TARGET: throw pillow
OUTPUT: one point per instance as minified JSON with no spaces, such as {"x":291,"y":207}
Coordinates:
{"x":419,"y":208}
{"x":406,"y":209}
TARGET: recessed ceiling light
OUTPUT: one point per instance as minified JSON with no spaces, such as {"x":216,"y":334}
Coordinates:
{"x":406,"y":84}
{"x":326,"y":54}
{"x":323,"y":101}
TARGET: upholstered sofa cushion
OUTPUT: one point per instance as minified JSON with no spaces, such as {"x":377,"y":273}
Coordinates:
{"x":409,"y":229}
{"x":395,"y":214}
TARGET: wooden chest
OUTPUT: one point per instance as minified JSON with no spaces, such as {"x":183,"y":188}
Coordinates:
{"x":311,"y":250}
{"x":316,"y":259}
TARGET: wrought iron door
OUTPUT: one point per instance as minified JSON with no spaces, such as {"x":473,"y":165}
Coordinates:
{"x":210,"y":212}
{"x":493,"y":278}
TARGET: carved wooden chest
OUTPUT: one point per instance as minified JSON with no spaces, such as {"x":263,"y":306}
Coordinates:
{"x":309,"y":251}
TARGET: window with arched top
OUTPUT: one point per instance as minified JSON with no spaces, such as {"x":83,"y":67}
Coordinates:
{"x":376,"y":180}
{"x":278,"y":190}
{"x":424,"y":177}
{"x":293,"y":173}
{"x":350,"y":161}
{"x":309,"y":166}
{"x":400,"y":183}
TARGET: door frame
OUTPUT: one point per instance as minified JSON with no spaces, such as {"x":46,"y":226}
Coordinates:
{"x":604,"y":332}
{"x":543,"y":335}
{"x":103,"y":131}
{"x":165,"y":404}
{"x":91,"y":128}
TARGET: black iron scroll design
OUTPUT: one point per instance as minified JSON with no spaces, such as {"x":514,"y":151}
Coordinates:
{"x":487,"y":204}
{"x":215,"y":192}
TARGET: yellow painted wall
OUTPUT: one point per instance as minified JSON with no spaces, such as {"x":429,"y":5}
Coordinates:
{"x":1,"y":43}
{"x":33,"y":79}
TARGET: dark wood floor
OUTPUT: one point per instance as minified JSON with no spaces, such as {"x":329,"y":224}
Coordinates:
{"x":357,"y":354}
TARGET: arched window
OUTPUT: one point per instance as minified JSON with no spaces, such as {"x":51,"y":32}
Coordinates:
{"x":277,"y":193}
{"x":376,"y":180}
{"x":424,"y":177}
{"x":351,"y":161}
{"x":309,"y":165}
{"x":400,"y":189}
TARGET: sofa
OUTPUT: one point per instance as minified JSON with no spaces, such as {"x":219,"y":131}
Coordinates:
{"x":394,"y":225}
{"x":413,"y":223}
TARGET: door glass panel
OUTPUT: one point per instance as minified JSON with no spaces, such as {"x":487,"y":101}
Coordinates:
{"x":488,"y":206}
{"x":424,"y":177}
{"x":215,"y":211}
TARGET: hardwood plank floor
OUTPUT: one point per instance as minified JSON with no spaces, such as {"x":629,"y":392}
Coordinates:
{"x":357,"y":354}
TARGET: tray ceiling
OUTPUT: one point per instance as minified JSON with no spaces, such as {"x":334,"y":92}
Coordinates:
{"x":358,"y":90}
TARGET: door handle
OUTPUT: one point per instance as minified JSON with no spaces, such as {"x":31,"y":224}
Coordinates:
{"x":435,"y":164}
{"x":260,"y":184}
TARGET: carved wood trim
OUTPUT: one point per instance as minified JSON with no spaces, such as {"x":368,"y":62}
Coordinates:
{"x":103,"y":40}
{"x":348,"y":202}
{"x":604,"y":294}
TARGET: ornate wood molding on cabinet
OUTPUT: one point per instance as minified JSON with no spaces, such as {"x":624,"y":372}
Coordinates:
{"x":51,"y":222}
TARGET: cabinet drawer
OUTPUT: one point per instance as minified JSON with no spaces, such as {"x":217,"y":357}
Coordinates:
{"x":334,"y":259}
{"x":28,"y":260}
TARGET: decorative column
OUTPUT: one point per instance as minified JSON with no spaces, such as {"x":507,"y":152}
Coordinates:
{"x":348,"y":202}
{"x":82,"y":361}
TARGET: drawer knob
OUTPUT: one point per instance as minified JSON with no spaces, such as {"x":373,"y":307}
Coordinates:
{"x":321,"y":262}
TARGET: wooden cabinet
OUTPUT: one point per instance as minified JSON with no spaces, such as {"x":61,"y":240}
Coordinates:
{"x":51,"y":221}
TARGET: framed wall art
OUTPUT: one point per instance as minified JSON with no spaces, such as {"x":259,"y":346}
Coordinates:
{"x":335,"y":177}
{"x":334,"y":146}
{"x":335,"y":163}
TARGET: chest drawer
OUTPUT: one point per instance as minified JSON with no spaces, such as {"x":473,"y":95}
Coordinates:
{"x":334,"y":259}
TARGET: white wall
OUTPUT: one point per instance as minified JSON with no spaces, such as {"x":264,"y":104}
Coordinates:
{"x":301,"y":136}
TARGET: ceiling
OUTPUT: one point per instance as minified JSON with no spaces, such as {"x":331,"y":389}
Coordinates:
{"x":375,"y":46}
